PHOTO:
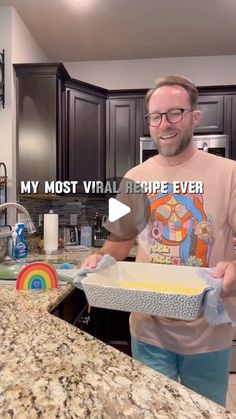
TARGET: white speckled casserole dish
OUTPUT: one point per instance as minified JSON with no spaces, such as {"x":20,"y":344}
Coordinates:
{"x":163,"y":290}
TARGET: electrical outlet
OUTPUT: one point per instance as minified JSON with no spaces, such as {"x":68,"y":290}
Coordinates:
{"x":73,"y":219}
{"x":40,"y":221}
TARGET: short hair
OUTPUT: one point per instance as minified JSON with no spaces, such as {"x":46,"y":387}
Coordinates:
{"x":171,"y":80}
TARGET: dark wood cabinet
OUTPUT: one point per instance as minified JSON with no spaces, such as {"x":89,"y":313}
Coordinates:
{"x":70,"y":130}
{"x":220,"y":110}
{"x":61,"y":126}
{"x":121,"y":136}
{"x":218,"y":104}
{"x":212,"y":121}
{"x":109,"y":326}
{"x":73,"y":308}
{"x":125,"y":125}
{"x":86,"y":110}
{"x":144,"y":123}
{"x":112,"y":327}
{"x":40,"y":123}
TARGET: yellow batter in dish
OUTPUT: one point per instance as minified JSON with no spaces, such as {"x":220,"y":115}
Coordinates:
{"x":161,"y":288}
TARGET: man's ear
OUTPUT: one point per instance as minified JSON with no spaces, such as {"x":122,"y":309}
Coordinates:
{"x":197,"y":116}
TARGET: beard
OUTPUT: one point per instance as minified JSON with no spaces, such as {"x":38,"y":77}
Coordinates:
{"x":180,"y":143}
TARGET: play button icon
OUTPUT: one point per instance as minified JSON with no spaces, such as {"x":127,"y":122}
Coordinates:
{"x":116,"y":209}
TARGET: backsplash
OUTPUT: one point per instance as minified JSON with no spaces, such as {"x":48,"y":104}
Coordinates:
{"x":85,"y":211}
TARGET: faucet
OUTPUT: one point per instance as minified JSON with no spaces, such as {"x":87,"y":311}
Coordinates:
{"x":30,"y":225}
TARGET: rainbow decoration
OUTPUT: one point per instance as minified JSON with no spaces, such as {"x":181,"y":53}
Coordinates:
{"x":36,"y":276}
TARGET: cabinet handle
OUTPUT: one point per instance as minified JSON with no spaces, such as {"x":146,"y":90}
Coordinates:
{"x":84,"y":320}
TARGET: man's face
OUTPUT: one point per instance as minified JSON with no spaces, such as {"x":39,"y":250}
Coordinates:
{"x":172,"y":139}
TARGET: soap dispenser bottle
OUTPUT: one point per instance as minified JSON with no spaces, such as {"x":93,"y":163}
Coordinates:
{"x":21,"y":248}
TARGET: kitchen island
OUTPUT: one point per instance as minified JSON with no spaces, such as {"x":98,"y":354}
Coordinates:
{"x":50,"y":369}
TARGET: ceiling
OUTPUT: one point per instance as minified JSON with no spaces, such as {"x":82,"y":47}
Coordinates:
{"x":84,"y":30}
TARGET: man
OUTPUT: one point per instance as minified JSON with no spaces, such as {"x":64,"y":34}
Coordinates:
{"x":184,"y":228}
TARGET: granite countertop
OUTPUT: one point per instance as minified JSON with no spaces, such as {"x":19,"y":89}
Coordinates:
{"x":50,"y":369}
{"x":64,"y":256}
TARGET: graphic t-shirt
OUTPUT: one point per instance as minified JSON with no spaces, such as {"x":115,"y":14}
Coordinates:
{"x":191,"y":224}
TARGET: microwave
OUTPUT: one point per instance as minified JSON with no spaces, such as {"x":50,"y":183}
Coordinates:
{"x":214,"y":144}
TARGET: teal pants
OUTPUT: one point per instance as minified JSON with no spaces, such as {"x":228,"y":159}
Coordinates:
{"x":205,"y":373}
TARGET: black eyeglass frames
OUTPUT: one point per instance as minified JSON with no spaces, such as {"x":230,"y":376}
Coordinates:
{"x":173,"y":116}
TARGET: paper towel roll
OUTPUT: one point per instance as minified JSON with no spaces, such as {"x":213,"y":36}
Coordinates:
{"x":50,"y":232}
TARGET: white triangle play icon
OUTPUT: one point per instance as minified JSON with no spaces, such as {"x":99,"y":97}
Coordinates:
{"x":116,"y":209}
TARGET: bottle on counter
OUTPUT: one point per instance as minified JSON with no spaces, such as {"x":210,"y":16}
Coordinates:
{"x":96,"y":222}
{"x":86,"y":236}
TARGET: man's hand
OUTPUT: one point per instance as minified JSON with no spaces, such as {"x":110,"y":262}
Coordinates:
{"x":91,"y":261}
{"x":115,"y":247}
{"x":226,"y":271}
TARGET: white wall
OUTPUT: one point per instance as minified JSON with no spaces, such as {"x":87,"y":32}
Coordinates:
{"x":19,"y":46}
{"x":25,"y":49}
{"x":7,"y":139}
{"x":138,"y":74}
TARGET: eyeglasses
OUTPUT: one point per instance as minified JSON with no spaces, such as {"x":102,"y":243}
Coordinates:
{"x":173,"y":116}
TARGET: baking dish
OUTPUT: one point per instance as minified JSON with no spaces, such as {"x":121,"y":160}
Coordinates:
{"x":162,"y":290}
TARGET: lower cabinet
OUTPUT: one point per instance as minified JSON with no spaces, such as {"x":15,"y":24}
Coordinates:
{"x":109,"y":326}
{"x":112,"y":327}
{"x":72,"y":308}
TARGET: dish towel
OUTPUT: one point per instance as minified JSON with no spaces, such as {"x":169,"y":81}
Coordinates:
{"x":213,"y":310}
{"x":106,"y":261}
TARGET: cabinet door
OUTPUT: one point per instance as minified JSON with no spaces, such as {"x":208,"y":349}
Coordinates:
{"x":213,"y":115}
{"x":122,"y":141}
{"x":40,"y":147}
{"x":144,"y":127}
{"x":72,"y":308}
{"x":112,"y":327}
{"x":86,"y":137}
{"x":37,"y":139}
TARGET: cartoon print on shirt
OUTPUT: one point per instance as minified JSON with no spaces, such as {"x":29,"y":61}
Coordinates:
{"x":179,"y":230}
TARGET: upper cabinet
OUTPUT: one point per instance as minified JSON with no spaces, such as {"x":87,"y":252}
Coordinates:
{"x":219,"y":113}
{"x":125,"y":125}
{"x":60,"y":127}
{"x":121,"y":136}
{"x":144,"y":123}
{"x":71,"y":130}
{"x":40,"y":123}
{"x":86,"y":109}
{"x":212,"y":121}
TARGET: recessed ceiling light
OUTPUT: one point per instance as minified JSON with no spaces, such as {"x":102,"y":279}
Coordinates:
{"x":84,"y":3}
